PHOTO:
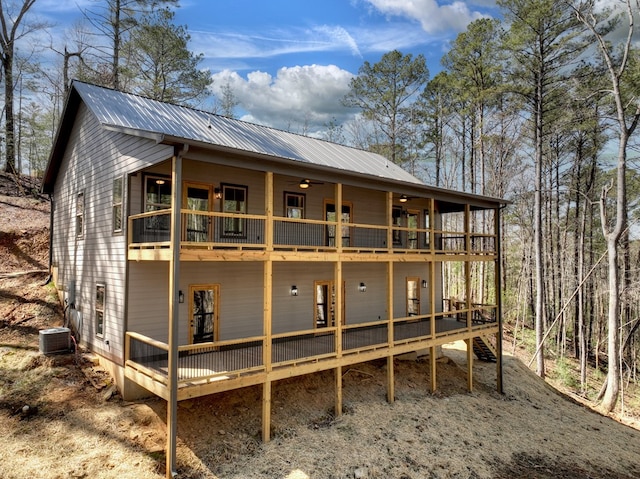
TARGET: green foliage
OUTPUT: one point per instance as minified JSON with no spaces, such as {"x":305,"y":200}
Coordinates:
{"x":566,"y":374}
{"x":161,"y":66}
{"x":385,"y":92}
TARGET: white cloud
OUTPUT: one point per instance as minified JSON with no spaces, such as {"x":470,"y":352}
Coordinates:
{"x":433,"y":17}
{"x":237,"y":44}
{"x":300,"y":98}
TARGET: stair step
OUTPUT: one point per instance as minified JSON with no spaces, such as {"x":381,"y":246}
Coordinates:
{"x":483,"y":350}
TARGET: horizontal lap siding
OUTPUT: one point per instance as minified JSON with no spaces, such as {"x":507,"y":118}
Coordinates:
{"x":295,"y":313}
{"x":93,"y":158}
{"x":148,"y":299}
{"x":370,"y":305}
{"x":402,"y":271}
{"x":241,"y":298}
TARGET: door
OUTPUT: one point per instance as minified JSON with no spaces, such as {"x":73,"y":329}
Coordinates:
{"x":325,"y":304}
{"x":330,"y":215}
{"x":197,"y":227}
{"x":413,"y":296}
{"x":203,"y":313}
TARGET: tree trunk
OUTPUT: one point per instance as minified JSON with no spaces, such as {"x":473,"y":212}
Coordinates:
{"x":9,"y":126}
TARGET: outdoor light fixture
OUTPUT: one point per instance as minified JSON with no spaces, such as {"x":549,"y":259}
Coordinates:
{"x":294,"y":290}
{"x":424,"y":283}
{"x":362,"y":288}
{"x":180,"y":297}
{"x":217,"y":192}
{"x":304,"y":184}
{"x":403,"y":198}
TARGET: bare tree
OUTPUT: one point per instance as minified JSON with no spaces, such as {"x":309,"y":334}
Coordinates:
{"x":13,"y":27}
{"x":627,"y":114}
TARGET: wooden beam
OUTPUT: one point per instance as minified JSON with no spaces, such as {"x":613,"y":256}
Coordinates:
{"x":469,"y":342}
{"x":338,"y":379}
{"x":174,"y":313}
{"x":498,"y":286}
{"x":432,"y":368}
{"x":266,"y":411}
{"x":391,"y":383}
{"x":268,"y":207}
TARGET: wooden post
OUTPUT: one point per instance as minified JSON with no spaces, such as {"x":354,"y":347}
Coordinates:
{"x":266,"y":346}
{"x":469,"y":364}
{"x":266,"y":411}
{"x":467,"y":264}
{"x":391,"y":389}
{"x":339,"y":309}
{"x":268,"y":211}
{"x":338,"y":378}
{"x":432,"y":366}
{"x":174,"y":315}
{"x":498,"y":285}
{"x":390,"y":371}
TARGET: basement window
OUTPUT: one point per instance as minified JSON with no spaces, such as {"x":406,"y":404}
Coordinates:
{"x":99,"y":309}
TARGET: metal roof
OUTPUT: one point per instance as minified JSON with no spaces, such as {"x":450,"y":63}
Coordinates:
{"x":171,"y":124}
{"x":133,"y":113}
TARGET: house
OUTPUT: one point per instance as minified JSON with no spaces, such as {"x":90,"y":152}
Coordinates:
{"x":197,"y":254}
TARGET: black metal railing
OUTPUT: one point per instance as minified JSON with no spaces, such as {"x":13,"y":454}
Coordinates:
{"x":365,"y":336}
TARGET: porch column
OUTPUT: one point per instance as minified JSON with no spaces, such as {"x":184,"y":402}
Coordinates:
{"x":498,"y":286}
{"x":469,"y":342}
{"x":391,"y":394}
{"x":339,"y":308}
{"x":267,"y":281}
{"x":174,"y":316}
{"x":467,"y":264}
{"x":432,"y":295}
{"x":432,"y":350}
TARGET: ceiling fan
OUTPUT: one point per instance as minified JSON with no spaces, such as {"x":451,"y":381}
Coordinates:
{"x":306,"y":183}
{"x":405,"y":198}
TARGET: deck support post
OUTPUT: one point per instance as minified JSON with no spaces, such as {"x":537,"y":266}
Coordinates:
{"x":391,"y":393}
{"x":174,"y":315}
{"x":266,"y":411}
{"x":338,"y":378}
{"x":469,"y":364}
{"x":432,"y":368}
{"x":498,"y":286}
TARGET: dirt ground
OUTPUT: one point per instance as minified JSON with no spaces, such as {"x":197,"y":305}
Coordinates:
{"x":75,"y":427}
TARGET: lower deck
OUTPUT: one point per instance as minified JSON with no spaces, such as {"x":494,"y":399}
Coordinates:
{"x":225,"y":365}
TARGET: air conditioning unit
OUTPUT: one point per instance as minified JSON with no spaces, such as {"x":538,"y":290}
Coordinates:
{"x":55,"y":340}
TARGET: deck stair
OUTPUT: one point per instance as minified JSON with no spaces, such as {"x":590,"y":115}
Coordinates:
{"x":484,"y":350}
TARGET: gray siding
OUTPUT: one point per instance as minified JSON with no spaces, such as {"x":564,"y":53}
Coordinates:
{"x":93,"y":158}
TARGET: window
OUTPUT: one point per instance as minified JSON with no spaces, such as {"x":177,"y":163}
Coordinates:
{"x":412,"y":224}
{"x":157,"y":196}
{"x":294,"y":205}
{"x":116,"y":204}
{"x":157,"y":193}
{"x":234,"y":200}
{"x":396,"y":216}
{"x":99,"y":309}
{"x":426,"y":226}
{"x":80,"y":214}
{"x":330,"y":215}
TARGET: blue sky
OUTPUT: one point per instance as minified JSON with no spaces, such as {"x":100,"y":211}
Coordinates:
{"x":290,"y":61}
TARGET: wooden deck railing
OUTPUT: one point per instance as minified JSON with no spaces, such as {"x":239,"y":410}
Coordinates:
{"x":209,"y":230}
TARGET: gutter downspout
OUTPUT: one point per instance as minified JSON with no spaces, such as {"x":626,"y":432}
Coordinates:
{"x":50,"y":277}
{"x":174,"y":314}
